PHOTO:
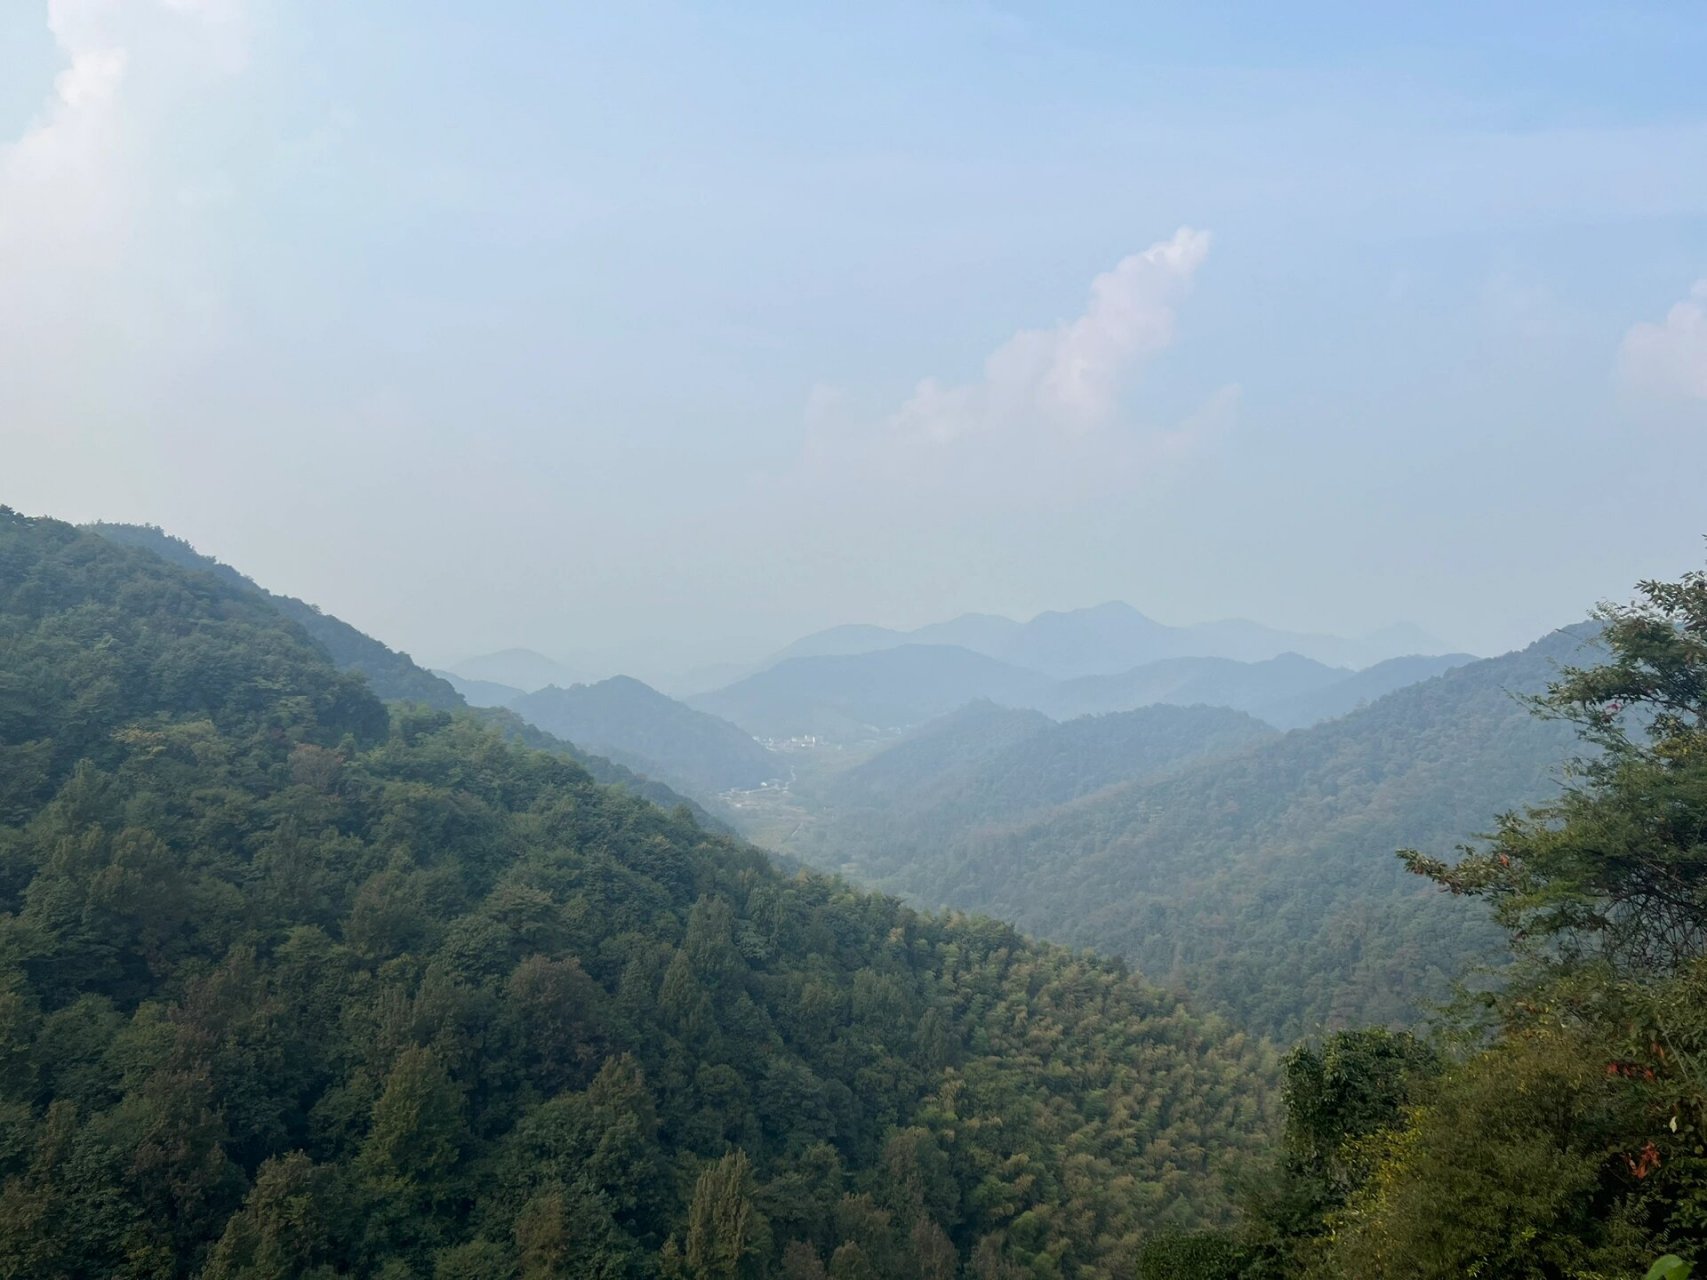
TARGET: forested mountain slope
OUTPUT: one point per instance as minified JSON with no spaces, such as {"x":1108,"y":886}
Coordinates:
{"x":1312,"y":706}
{"x":1082,"y":756}
{"x":937,"y":759}
{"x":391,"y":675}
{"x":1264,"y":881}
{"x":634,"y":724}
{"x":1558,"y":1129}
{"x":984,"y":765}
{"x":292,"y":984}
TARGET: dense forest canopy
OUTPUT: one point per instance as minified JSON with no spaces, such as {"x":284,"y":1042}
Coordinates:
{"x":390,"y":674}
{"x":296,"y":984}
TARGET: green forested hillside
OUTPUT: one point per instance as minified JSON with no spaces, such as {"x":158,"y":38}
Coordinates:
{"x":292,"y":984}
{"x":391,"y":675}
{"x":633,"y":724}
{"x":935,"y":760}
{"x":984,"y":766}
{"x":1357,"y":690}
{"x":1082,"y":756}
{"x":1263,"y":881}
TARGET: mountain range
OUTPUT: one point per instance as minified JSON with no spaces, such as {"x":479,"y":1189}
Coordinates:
{"x":1101,"y":640}
{"x":523,"y":670}
{"x":857,"y":696}
{"x":866,"y":696}
{"x":1253,"y":868}
{"x":1113,"y":637}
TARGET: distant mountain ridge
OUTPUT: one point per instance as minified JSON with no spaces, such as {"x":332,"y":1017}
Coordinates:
{"x":632,"y":723}
{"x":1356,"y":690}
{"x":522,"y":669}
{"x":1222,"y":682}
{"x":860,"y":696}
{"x":852,"y":696}
{"x":481,"y":693}
{"x":1288,"y":692}
{"x":1108,"y":638}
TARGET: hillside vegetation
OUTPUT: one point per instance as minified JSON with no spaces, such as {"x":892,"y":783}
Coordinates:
{"x":1262,"y":879}
{"x":296,"y":984}
{"x":391,"y":675}
{"x":1560,"y":1131}
{"x":980,"y":768}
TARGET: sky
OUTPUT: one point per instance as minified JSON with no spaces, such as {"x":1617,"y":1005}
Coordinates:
{"x":655,"y":335}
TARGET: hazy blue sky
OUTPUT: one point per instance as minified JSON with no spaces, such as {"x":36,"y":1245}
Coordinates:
{"x":676,"y":331}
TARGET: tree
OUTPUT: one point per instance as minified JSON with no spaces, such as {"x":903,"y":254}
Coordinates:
{"x":849,"y":1262}
{"x":1616,"y":871}
{"x":418,"y":1128}
{"x":726,"y":1235}
{"x":283,"y":1227}
{"x":1355,"y":1084}
{"x":1572,"y":1144}
{"x":800,"y":1261}
{"x":932,"y":1252}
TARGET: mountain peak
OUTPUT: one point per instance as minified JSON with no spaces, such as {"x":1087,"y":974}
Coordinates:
{"x":524,"y":669}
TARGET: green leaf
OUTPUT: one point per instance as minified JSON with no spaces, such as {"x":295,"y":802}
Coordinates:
{"x":1670,"y":1267}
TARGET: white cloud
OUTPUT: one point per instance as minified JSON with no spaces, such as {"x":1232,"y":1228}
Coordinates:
{"x":92,"y":78}
{"x":85,"y":148}
{"x":1049,"y":424}
{"x":54,"y":181}
{"x":1670,"y":358}
{"x":1068,"y":379}
{"x":100,"y":263}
